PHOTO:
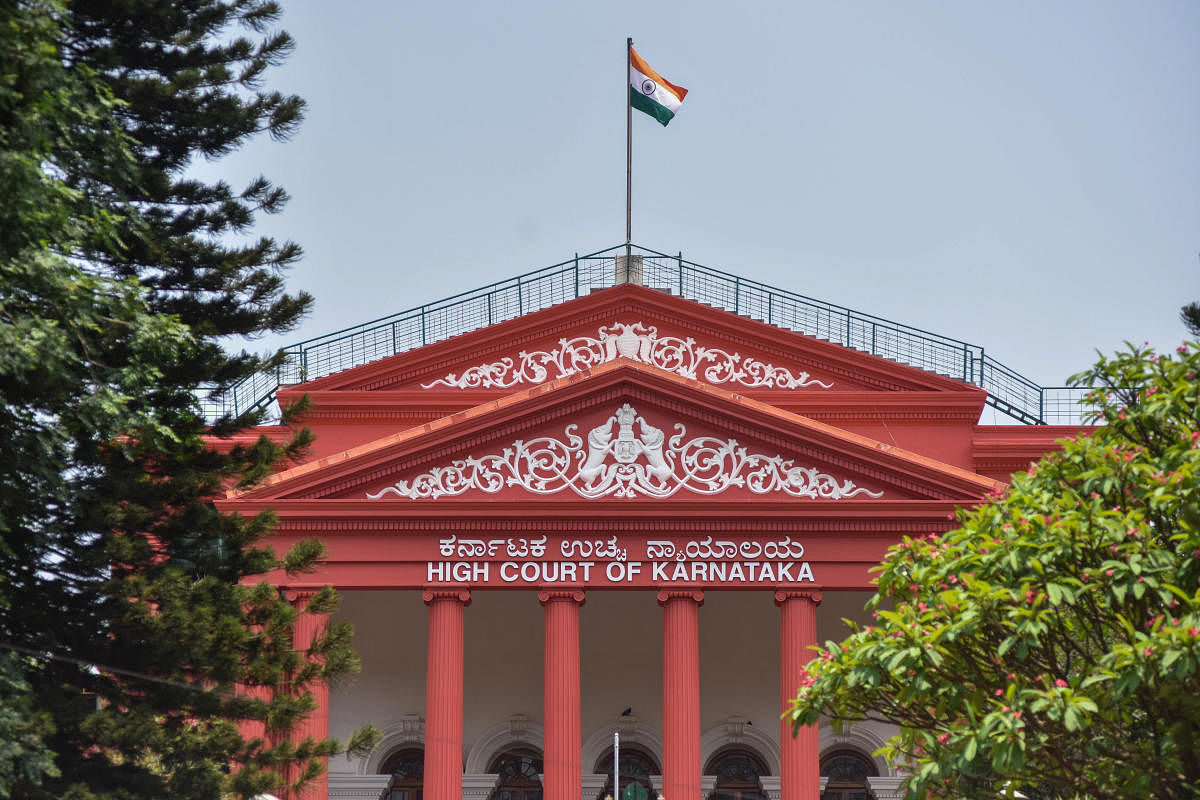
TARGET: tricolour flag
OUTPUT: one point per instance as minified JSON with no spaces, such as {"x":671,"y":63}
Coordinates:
{"x":651,"y":92}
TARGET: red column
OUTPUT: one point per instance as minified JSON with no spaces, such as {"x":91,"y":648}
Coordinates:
{"x":444,"y":694}
{"x":564,"y":772}
{"x":305,"y":631}
{"x":681,"y":693}
{"x":800,"y":756}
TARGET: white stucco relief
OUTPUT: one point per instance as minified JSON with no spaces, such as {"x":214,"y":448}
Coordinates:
{"x":630,"y":464}
{"x":636,"y":341}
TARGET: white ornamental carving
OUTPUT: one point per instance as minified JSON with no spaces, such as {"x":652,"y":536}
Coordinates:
{"x":628,"y":464}
{"x":635,"y":341}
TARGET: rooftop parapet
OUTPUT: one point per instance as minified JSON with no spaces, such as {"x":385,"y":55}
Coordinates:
{"x":1007,"y":390}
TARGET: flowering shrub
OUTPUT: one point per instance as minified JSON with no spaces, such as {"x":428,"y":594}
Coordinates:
{"x":1052,"y":642}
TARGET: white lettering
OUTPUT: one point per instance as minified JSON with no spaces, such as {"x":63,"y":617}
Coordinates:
{"x":696,"y":572}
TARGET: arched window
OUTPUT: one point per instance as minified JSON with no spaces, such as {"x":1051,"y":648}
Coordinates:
{"x":847,"y":771}
{"x":407,"y":768}
{"x":520,"y":773}
{"x":738,"y":772}
{"x":636,"y":768}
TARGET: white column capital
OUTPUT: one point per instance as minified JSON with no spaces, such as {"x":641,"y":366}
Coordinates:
{"x":592,"y":785}
{"x":478,"y":786}
{"x":887,"y":787}
{"x":356,"y":787}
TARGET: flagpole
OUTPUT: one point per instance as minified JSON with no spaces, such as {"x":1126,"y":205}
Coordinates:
{"x":616,"y":765}
{"x":628,"y":152}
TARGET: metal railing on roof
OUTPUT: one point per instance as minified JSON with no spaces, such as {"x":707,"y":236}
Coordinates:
{"x":1007,"y":390}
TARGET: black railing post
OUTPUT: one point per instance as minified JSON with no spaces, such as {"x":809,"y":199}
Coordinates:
{"x":577,"y":274}
{"x":679,"y":261}
{"x":490,"y":295}
{"x":423,"y":339}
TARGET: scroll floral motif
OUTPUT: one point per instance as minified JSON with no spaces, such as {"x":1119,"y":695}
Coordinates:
{"x":625,"y":465}
{"x":636,"y":341}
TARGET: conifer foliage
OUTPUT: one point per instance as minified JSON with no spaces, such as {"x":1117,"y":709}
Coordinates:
{"x":138,"y":657}
{"x":1051,"y":644}
{"x":1190,"y":316}
{"x":190,"y":75}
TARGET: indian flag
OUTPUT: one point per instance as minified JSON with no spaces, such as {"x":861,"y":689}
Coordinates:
{"x":651,"y":92}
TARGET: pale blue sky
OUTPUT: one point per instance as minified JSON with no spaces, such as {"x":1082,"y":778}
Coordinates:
{"x":1024,"y":176}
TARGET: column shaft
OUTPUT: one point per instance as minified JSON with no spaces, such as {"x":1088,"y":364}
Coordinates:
{"x":800,"y":772}
{"x":681,"y":694}
{"x":444,"y":694}
{"x":563,"y":768}
{"x":305,"y":631}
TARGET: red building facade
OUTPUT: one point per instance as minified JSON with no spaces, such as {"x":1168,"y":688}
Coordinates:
{"x":626,"y":501}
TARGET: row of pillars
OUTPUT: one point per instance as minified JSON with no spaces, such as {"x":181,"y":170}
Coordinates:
{"x":799,"y":756}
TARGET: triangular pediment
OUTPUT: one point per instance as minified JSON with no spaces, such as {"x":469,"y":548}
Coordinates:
{"x":652,"y":327}
{"x":625,"y":432}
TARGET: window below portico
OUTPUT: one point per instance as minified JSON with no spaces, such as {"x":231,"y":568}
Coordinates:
{"x":636,"y":768}
{"x":520,"y":772}
{"x":407,"y":768}
{"x":738,"y":774}
{"x":847,"y":771}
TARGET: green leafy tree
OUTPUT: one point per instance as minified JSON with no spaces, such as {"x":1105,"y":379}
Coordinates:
{"x":134,"y":648}
{"x":1052,"y":642}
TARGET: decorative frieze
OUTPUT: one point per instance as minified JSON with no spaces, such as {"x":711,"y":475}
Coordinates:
{"x":638,"y":342}
{"x":356,"y":787}
{"x":628,"y":464}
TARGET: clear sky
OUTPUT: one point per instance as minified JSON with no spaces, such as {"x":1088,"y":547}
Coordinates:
{"x":1020,"y":175}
